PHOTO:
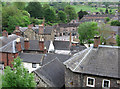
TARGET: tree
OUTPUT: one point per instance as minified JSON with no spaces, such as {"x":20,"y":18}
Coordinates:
{"x":17,"y":76}
{"x":12,"y":16}
{"x":87,"y":31}
{"x":62,"y":16}
{"x":105,"y":32}
{"x":35,"y":9}
{"x":20,"y":5}
{"x":107,"y":19}
{"x":81,"y":14}
{"x":115,"y":23}
{"x":70,"y":12}
{"x":118,"y":40}
{"x":49,"y":15}
{"x":106,"y":11}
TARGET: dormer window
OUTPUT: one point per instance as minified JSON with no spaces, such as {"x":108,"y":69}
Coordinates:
{"x":90,"y":82}
{"x":106,"y":83}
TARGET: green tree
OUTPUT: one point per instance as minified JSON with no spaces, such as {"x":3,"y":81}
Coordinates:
{"x":49,"y":15}
{"x":62,"y":16}
{"x":118,"y":40}
{"x":87,"y":31}
{"x":35,"y":9}
{"x":17,"y":76}
{"x":70,"y":12}
{"x":106,"y":11}
{"x":20,"y":5}
{"x":81,"y":14}
{"x":12,"y":16}
{"x":107,"y":19}
{"x":115,"y":23}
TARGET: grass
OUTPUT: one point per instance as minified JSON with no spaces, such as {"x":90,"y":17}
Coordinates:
{"x":88,"y":8}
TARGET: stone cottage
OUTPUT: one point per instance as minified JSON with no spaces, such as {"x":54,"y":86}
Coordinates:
{"x":94,"y":67}
{"x":35,"y":33}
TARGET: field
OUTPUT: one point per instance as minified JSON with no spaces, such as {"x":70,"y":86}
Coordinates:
{"x":88,"y":8}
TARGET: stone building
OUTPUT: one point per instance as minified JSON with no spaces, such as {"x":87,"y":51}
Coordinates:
{"x":35,"y":33}
{"x":65,"y":29}
{"x":97,"y":18}
{"x":94,"y":67}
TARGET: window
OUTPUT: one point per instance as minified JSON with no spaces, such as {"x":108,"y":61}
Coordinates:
{"x":33,"y":65}
{"x":90,"y":82}
{"x":106,"y":83}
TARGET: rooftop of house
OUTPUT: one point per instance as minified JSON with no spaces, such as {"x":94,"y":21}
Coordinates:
{"x":101,"y":61}
{"x":52,"y":73}
{"x":61,"y":45}
{"x":47,"y":29}
{"x":42,"y":58}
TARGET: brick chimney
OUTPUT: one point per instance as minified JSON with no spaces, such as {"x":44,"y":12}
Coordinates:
{"x":41,"y":29}
{"x":96,"y":41}
{"x":26,"y":44}
{"x":5,"y":33}
{"x":30,"y":26}
{"x":41,"y":44}
{"x":18,"y":44}
{"x":17,"y":28}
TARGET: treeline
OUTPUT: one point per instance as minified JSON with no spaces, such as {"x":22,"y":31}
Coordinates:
{"x":22,"y":14}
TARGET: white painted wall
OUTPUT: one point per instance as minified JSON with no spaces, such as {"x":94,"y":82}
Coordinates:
{"x":29,"y":66}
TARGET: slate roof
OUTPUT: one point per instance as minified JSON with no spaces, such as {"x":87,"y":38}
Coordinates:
{"x":31,"y":57}
{"x":9,"y":46}
{"x":61,"y":45}
{"x":68,"y":25}
{"x":75,"y":49}
{"x":52,"y":73}
{"x":103,"y":61}
{"x":8,"y":39}
{"x":47,"y":29}
{"x":42,"y":58}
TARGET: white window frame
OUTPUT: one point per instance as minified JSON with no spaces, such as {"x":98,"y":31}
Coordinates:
{"x":93,"y":82}
{"x":34,"y":64}
{"x":103,"y":83}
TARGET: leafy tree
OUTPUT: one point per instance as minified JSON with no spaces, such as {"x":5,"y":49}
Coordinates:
{"x":62,"y":16}
{"x":35,"y":9}
{"x":46,"y":6}
{"x":110,"y":11}
{"x":107,"y":19}
{"x":49,"y":15}
{"x":115,"y":23}
{"x":105,"y":32}
{"x":87,"y":31}
{"x":118,"y":40}
{"x":12,"y":16}
{"x":106,"y":11}
{"x":70,"y":12}
{"x":20,"y":5}
{"x":17,"y":76}
{"x":81,"y":14}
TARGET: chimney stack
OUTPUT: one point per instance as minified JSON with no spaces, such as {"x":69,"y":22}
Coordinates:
{"x":41,"y":44}
{"x":30,"y":26}
{"x":17,"y":28}
{"x":96,"y":41}
{"x":41,"y":29}
{"x":26,"y":43}
{"x":18,"y":44}
{"x":5,"y":33}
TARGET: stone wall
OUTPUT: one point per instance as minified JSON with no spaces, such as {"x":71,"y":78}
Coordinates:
{"x":79,"y":80}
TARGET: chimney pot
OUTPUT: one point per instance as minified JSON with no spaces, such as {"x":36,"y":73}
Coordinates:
{"x":18,"y":44}
{"x":17,"y":28}
{"x":96,"y":41}
{"x":5,"y":33}
{"x":30,"y":26}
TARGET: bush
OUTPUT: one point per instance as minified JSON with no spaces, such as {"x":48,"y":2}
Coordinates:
{"x":107,"y":19}
{"x":115,"y":23}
